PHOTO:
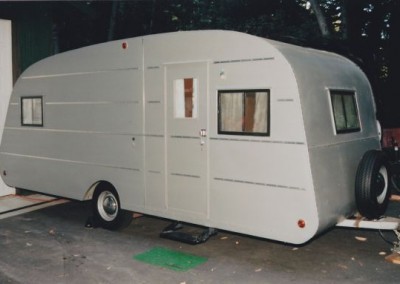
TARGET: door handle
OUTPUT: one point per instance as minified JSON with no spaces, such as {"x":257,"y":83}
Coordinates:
{"x":202,"y":134}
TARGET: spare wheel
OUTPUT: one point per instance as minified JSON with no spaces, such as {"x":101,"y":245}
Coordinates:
{"x":372,"y":184}
{"x":395,"y":178}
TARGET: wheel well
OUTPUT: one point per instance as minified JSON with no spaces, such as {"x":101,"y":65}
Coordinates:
{"x":102,"y":183}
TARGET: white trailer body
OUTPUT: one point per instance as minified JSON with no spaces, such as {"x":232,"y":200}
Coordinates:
{"x":156,"y":117}
{"x":6,"y":81}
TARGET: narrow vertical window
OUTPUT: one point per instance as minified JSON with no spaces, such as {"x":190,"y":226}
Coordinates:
{"x":32,"y":111}
{"x":185,"y":98}
{"x":243,"y":112}
{"x":345,"y":111}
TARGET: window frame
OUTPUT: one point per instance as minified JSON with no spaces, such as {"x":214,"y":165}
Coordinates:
{"x":244,"y":133}
{"x":22,"y":111}
{"x":342,"y":94}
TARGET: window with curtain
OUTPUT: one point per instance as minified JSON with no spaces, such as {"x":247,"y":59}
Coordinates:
{"x":32,"y":111}
{"x":345,"y":111}
{"x":243,"y":112}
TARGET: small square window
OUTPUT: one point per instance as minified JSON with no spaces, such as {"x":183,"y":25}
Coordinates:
{"x":345,"y":111}
{"x":32,"y":111}
{"x":185,"y":98}
{"x":243,"y":112}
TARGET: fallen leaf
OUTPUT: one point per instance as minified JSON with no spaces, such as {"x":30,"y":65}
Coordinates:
{"x":361,"y":239}
{"x":223,"y":238}
{"x":137,"y":215}
{"x":343,"y":266}
{"x":258,"y":270}
{"x":393,"y":258}
{"x":395,"y":197}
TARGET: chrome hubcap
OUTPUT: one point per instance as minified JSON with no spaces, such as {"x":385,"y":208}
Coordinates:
{"x":110,"y":205}
{"x":107,"y":205}
{"x":381,"y":185}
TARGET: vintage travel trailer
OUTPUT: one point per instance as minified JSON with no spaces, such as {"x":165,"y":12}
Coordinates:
{"x":216,"y":128}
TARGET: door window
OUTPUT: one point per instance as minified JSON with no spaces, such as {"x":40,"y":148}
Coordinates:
{"x":185,"y":98}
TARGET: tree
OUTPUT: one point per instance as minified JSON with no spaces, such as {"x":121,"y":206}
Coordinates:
{"x":321,"y":18}
{"x":366,"y":31}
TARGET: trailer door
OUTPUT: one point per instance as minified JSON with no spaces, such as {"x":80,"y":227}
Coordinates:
{"x":187,"y":144}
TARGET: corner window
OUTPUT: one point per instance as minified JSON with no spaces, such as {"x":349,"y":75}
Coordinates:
{"x":345,"y":111}
{"x":185,"y":98}
{"x":244,"y":112}
{"x":32,"y":111}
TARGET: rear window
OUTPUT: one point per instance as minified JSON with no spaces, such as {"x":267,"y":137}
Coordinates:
{"x":345,"y":111}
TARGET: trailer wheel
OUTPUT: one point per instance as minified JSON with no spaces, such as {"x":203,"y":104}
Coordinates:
{"x":107,"y":212}
{"x":372,"y":184}
{"x":395,"y":178}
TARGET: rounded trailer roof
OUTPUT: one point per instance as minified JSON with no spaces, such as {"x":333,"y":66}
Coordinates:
{"x":203,"y":45}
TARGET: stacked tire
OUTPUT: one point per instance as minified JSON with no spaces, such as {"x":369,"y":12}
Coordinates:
{"x":372,"y":186}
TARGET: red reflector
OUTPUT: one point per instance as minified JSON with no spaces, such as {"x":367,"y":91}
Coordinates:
{"x":124,"y":45}
{"x":301,"y":223}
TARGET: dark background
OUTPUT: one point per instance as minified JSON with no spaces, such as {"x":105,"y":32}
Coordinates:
{"x":366,"y":31}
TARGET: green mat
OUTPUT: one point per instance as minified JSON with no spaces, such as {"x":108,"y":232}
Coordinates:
{"x":170,"y":259}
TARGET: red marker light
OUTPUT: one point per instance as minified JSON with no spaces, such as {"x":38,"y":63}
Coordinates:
{"x":301,"y":223}
{"x":124,"y":45}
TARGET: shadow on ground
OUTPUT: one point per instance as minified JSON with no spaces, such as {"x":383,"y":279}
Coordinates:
{"x":53,"y":246}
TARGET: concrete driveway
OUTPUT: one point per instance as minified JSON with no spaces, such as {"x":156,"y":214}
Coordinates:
{"x":52,"y":245}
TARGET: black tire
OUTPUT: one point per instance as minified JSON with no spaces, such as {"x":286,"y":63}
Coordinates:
{"x":107,"y":212}
{"x":372,"y":184}
{"x":395,"y":178}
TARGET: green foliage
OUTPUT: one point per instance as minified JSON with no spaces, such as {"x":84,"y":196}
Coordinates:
{"x":366,"y":31}
{"x":272,"y":18}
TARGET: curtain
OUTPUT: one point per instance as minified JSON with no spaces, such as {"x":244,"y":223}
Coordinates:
{"x":231,"y":112}
{"x":194,"y":97}
{"x":338,"y":112}
{"x":179,"y":93}
{"x":37,"y":111}
{"x":351,"y":112}
{"x":260,"y":114}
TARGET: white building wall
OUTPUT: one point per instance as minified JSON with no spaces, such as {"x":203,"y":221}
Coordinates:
{"x":5,"y":84}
